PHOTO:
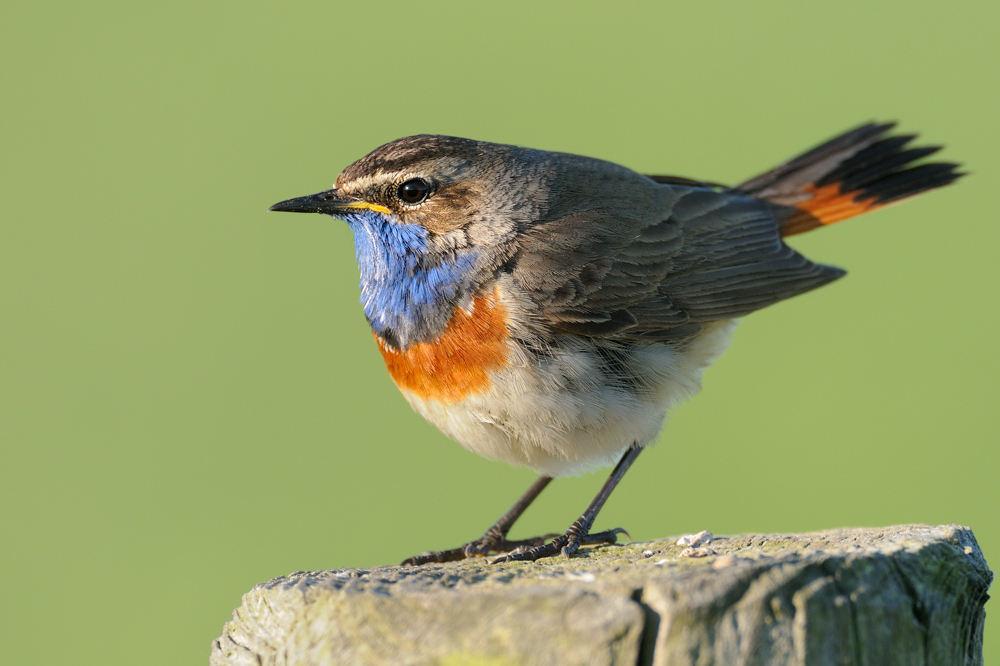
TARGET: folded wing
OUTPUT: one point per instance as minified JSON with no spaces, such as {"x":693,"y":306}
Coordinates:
{"x":701,"y":256}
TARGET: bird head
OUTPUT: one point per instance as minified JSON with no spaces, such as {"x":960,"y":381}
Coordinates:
{"x":433,"y":218}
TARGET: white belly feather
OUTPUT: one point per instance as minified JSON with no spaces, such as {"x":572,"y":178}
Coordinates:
{"x":571,"y":412}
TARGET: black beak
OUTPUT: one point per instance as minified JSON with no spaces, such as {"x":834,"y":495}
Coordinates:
{"x":323,"y":202}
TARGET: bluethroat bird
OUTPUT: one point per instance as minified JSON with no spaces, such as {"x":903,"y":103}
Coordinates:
{"x":548,"y":310}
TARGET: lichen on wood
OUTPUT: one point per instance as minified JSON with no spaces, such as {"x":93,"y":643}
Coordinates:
{"x":909,"y":594}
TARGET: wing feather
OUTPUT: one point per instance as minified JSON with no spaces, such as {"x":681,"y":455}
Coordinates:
{"x":699,"y":255}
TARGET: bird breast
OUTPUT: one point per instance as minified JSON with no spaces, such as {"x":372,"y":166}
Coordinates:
{"x":512,"y":390}
{"x":458,"y":363}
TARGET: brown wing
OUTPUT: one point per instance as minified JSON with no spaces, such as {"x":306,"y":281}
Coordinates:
{"x":697,"y":256}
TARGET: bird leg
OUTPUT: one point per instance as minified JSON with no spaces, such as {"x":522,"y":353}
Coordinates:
{"x":495,"y":538}
{"x":578,"y":533}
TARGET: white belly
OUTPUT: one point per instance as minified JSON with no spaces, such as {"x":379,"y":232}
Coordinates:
{"x":573,"y":411}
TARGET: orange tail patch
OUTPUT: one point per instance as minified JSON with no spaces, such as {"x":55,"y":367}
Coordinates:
{"x":854,"y":173}
{"x":457,"y":363}
{"x":828,"y":204}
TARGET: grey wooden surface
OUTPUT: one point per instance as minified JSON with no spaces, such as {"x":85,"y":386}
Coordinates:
{"x":910,"y":594}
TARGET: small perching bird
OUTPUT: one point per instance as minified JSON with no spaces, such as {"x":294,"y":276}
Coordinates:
{"x":547,"y":309}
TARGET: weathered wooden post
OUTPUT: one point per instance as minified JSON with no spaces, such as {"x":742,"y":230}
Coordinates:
{"x":910,"y":594}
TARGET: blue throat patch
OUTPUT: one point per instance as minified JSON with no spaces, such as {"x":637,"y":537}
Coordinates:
{"x":405,"y":299}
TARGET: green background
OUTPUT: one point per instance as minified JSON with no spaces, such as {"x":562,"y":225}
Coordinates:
{"x":191,"y":402}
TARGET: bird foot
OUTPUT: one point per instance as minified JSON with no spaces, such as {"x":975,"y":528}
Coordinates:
{"x":491,"y":542}
{"x":566,"y":544}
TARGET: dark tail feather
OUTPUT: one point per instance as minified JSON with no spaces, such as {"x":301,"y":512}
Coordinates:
{"x":849,"y":175}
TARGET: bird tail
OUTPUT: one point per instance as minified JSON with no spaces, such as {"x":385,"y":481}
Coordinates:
{"x":854,"y":173}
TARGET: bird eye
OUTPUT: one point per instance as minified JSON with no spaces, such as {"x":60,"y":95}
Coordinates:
{"x":413,"y":191}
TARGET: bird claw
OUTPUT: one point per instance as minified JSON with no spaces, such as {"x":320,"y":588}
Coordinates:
{"x":565,"y":544}
{"x":491,"y":542}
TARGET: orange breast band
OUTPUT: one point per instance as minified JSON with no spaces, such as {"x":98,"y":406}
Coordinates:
{"x":456,"y":364}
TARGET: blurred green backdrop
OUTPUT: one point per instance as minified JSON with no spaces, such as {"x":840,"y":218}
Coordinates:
{"x":190,"y":400}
